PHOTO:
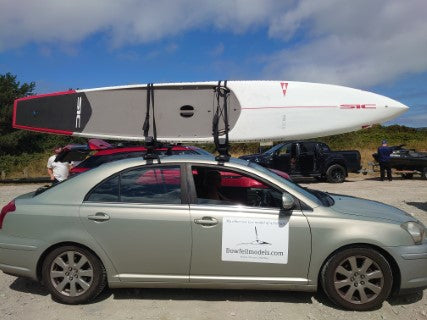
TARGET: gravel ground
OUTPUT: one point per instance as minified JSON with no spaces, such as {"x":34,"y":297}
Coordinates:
{"x":24,"y":299}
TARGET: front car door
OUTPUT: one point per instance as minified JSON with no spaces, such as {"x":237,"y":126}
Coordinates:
{"x":283,"y":159}
{"x":240,"y":234}
{"x":306,"y":158}
{"x":140,"y":217}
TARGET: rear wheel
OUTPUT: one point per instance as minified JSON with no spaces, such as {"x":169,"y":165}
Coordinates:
{"x":424,"y":173}
{"x":357,"y":278}
{"x":73,"y":275}
{"x":335,"y":173}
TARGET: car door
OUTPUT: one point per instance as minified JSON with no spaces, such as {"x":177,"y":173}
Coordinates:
{"x":141,"y":219}
{"x":306,"y":158}
{"x":242,"y":235}
{"x":282,"y":158}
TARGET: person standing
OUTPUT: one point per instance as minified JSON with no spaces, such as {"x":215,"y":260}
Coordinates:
{"x":384,"y":152}
{"x":58,"y":171}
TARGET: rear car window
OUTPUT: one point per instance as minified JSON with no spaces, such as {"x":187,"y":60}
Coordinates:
{"x":141,"y":185}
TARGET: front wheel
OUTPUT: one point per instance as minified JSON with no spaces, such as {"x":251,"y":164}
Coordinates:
{"x":73,"y":275}
{"x":335,"y":173}
{"x":424,"y":173}
{"x":357,"y":278}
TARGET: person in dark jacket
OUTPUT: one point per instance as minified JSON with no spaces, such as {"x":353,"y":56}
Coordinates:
{"x":384,"y":153}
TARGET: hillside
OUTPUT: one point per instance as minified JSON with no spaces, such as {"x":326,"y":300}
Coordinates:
{"x":33,"y":164}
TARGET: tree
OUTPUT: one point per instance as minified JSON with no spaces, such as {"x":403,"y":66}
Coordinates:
{"x":11,"y":89}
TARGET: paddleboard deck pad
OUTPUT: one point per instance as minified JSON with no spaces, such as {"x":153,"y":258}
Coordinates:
{"x":257,"y":111}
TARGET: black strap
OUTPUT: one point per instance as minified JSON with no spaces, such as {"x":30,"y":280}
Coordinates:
{"x":146,"y":125}
{"x":150,"y":142}
{"x":222,"y":93}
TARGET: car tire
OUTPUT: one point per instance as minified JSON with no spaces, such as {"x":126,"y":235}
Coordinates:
{"x":74,"y":282}
{"x":424,"y":173}
{"x":357,"y":278}
{"x":335,"y":174}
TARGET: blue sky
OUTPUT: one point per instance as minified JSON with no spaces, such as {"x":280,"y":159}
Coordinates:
{"x":377,"y":45}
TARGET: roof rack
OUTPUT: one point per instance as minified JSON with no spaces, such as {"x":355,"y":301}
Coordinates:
{"x":222,"y":145}
{"x":150,"y":142}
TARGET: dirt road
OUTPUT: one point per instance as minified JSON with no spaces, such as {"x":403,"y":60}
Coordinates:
{"x":24,"y":299}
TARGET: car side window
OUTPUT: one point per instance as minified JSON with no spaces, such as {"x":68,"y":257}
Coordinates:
{"x":141,"y":185}
{"x":151,"y":185}
{"x":107,"y":191}
{"x":286,"y":149}
{"x":324,"y":147}
{"x":228,"y":187}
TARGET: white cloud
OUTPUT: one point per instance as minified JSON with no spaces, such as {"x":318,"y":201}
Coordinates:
{"x":126,"y":21}
{"x":358,"y":43}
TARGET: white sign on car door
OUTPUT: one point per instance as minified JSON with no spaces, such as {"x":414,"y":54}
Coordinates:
{"x":255,"y":240}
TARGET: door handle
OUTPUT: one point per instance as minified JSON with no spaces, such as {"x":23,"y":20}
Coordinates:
{"x":99,"y":216}
{"x":206,"y":221}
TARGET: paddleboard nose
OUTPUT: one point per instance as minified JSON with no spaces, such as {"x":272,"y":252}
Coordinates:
{"x":396,"y":108}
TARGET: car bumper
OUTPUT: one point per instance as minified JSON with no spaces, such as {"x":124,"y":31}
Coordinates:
{"x":412,"y":262}
{"x":19,"y":256}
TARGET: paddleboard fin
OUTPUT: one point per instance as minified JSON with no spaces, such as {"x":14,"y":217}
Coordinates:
{"x":222,"y":145}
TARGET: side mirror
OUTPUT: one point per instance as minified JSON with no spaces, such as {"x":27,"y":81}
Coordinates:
{"x":288,"y":202}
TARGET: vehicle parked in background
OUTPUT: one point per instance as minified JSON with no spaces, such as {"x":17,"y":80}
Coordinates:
{"x":309,"y":159}
{"x":407,"y":162}
{"x":133,"y":224}
{"x":118,"y":153}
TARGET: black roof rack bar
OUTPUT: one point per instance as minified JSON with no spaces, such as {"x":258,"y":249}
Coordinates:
{"x":222,"y":145}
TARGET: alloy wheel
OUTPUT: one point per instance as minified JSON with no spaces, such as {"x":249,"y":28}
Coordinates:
{"x":71,"y":273}
{"x":358,"y":280}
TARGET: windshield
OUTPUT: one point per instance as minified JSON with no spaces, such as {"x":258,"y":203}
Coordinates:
{"x":313,"y":196}
{"x":273,"y":149}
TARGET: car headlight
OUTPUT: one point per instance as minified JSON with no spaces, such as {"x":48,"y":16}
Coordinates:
{"x":416,"y":230}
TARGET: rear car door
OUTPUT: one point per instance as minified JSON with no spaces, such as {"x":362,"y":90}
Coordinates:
{"x":140,"y":217}
{"x":240,"y":235}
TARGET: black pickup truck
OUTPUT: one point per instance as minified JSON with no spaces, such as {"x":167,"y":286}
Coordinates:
{"x":309,"y":159}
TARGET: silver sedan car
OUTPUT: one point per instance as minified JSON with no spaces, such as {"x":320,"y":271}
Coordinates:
{"x":191,"y":222}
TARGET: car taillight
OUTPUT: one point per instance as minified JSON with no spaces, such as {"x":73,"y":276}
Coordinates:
{"x":10,"y":207}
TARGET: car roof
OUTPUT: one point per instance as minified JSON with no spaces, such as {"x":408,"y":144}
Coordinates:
{"x":186,"y":158}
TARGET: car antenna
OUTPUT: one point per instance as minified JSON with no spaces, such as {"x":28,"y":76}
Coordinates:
{"x":150,"y":141}
{"x":222,"y":145}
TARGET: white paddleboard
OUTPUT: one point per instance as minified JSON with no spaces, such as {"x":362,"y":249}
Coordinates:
{"x":258,"y":111}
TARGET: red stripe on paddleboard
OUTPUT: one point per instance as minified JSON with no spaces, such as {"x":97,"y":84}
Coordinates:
{"x":47,"y":130}
{"x":290,"y":107}
{"x":15,"y":106}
